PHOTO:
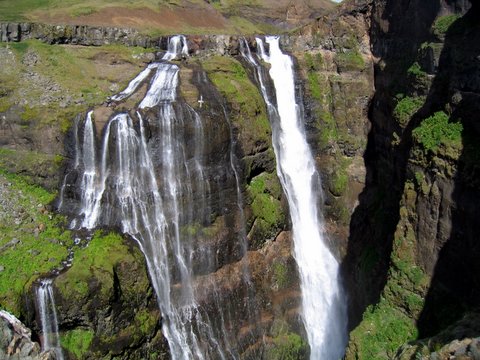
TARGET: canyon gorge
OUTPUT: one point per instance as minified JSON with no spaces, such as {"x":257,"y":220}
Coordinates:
{"x":304,"y":187}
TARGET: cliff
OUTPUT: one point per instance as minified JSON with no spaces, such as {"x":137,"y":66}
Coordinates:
{"x":414,"y":236}
{"x":390,"y":109}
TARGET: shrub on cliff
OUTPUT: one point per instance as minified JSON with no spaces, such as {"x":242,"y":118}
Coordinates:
{"x":437,"y":130}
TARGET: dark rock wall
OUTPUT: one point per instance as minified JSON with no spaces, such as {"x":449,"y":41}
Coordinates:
{"x":416,"y":214}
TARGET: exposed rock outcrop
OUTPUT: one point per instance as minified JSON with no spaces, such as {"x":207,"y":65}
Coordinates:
{"x":16,"y":342}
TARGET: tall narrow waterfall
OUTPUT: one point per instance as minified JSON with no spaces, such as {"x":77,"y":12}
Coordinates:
{"x":323,"y":303}
{"x":48,"y":318}
{"x":157,"y":205}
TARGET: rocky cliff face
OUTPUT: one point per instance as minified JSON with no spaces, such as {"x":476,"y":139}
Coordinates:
{"x":412,"y":245}
{"x":391,"y":115}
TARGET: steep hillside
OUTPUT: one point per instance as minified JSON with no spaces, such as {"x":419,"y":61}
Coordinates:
{"x":170,"y":17}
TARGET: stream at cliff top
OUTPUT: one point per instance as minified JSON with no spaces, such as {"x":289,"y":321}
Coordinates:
{"x":323,"y":301}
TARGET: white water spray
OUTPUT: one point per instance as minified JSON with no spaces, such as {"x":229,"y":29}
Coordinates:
{"x":323,"y":302}
{"x":154,"y":204}
{"x":48,"y":318}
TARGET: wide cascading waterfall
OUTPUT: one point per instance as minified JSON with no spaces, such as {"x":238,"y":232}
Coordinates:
{"x":48,"y":318}
{"x":119,"y":186}
{"x":323,"y":301}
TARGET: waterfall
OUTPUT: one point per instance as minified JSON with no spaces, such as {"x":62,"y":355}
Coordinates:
{"x":176,"y":46}
{"x":48,"y":318}
{"x":323,"y":301}
{"x":120,"y":187}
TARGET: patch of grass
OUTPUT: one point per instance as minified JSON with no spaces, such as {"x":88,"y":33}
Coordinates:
{"x":280,"y":275}
{"x":288,"y":346}
{"x":94,"y":262}
{"x":17,"y":10}
{"x":39,"y":240}
{"x":437,"y":131}
{"x":77,"y":341}
{"x":339,"y":182}
{"x":350,"y":60}
{"x":145,"y":321}
{"x":406,"y":107}
{"x":416,"y":72}
{"x":82,"y":11}
{"x":443,"y":23}
{"x":383,"y":329}
{"x":36,"y":168}
{"x":265,"y":192}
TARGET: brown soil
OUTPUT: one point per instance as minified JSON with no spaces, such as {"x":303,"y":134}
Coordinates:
{"x":144,"y":18}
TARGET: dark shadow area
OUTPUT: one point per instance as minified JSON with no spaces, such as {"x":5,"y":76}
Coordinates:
{"x":455,"y":286}
{"x":373,"y":223}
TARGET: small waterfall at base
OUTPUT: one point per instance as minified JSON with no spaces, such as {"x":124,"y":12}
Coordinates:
{"x":148,"y":177}
{"x":48,"y":318}
{"x":323,"y":301}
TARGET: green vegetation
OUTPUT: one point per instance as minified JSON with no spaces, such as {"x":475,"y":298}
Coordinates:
{"x":265,"y":192}
{"x":391,"y":323}
{"x":315,"y":85}
{"x":416,"y":70}
{"x":350,"y":60}
{"x":383,"y":329}
{"x":339,"y":182}
{"x":94,"y":263}
{"x":289,"y":346}
{"x":77,"y":341}
{"x":67,"y":80}
{"x":246,"y":105}
{"x":436,"y":131}
{"x":36,"y":168}
{"x":419,"y":77}
{"x":406,"y":107}
{"x":32,"y":240}
{"x":281,"y":275}
{"x":443,"y":23}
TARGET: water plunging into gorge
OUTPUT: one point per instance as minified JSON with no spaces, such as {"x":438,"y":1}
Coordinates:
{"x":323,"y":302}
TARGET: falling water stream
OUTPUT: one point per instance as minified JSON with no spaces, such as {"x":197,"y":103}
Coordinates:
{"x":48,"y":318}
{"x":120,"y":186}
{"x":323,"y":304}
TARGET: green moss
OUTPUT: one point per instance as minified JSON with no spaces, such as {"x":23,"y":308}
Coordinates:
{"x":39,"y":237}
{"x":339,"y":182}
{"x":281,"y":275}
{"x":245,"y":102}
{"x":77,"y":341}
{"x":314,"y":62}
{"x":289,"y":346}
{"x":437,"y":131}
{"x":265,"y":192}
{"x":419,"y":76}
{"x":350,"y":60}
{"x":406,"y":107}
{"x":145,"y":322}
{"x":94,"y":262}
{"x":383,"y":329}
{"x":83,"y":11}
{"x":443,"y":23}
